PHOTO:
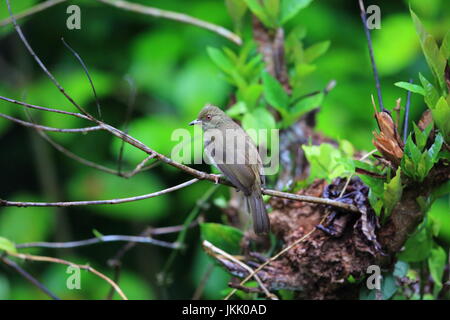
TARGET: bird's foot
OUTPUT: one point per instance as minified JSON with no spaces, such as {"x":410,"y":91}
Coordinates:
{"x":216,"y":178}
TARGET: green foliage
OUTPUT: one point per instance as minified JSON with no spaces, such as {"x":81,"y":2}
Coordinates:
{"x":273,"y":13}
{"x":290,"y":8}
{"x":435,"y":58}
{"x":418,"y":246}
{"x":237,"y":10}
{"x":436,"y":265}
{"x":303,"y":106}
{"x":392,"y":193}
{"x":441,"y":116}
{"x":417,"y":164}
{"x":410,"y":87}
{"x":436,"y":97}
{"x":224,"y":237}
{"x":241,"y":70}
{"x":7,"y":245}
{"x":327,"y":162}
{"x":257,"y":119}
{"x":275,"y":95}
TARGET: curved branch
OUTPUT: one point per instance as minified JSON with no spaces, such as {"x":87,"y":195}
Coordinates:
{"x":6,"y":203}
{"x":29,"y":277}
{"x":180,"y":17}
{"x":108,"y":238}
{"x":45,"y":128}
{"x":61,"y":261}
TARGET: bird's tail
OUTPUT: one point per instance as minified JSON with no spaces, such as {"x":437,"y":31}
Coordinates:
{"x":261,"y":223}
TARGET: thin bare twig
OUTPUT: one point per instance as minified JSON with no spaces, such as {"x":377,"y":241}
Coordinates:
{"x":91,"y":241}
{"x":216,"y":252}
{"x":364,"y":157}
{"x":32,"y":106}
{"x":204,"y":280}
{"x":83,"y":65}
{"x":37,"y":8}
{"x":6,"y":203}
{"x":310,"y":199}
{"x":405,"y":122}
{"x":61,"y":261}
{"x":130,"y":107}
{"x":372,"y":58}
{"x":180,"y":17}
{"x":45,"y":128}
{"x":29,"y":277}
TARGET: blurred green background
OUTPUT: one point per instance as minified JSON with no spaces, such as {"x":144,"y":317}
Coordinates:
{"x":167,"y":64}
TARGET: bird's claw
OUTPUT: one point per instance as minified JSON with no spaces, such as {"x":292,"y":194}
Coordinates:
{"x":216,"y":178}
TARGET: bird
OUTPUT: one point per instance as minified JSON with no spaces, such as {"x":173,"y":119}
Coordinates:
{"x":234,"y":153}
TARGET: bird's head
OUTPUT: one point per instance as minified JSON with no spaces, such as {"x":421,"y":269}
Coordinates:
{"x":210,"y":117}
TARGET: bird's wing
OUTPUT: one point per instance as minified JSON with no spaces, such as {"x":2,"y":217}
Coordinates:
{"x":240,"y":175}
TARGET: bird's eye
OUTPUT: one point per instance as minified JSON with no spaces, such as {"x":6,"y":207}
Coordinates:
{"x":208,"y":117}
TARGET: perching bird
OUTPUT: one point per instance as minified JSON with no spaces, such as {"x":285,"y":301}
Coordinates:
{"x":234,"y":153}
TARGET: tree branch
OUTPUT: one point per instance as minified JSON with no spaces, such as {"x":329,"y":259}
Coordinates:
{"x":61,"y":261}
{"x":180,"y":17}
{"x":91,"y":241}
{"x":6,"y":203}
{"x":372,"y":58}
{"x":45,"y":128}
{"x":29,"y":277}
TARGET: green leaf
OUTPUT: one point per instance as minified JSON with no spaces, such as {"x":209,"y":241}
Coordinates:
{"x":412,"y":151}
{"x":433,"y":56}
{"x":250,"y":95}
{"x":315,"y":51}
{"x":422,"y":136}
{"x":431,"y":94}
{"x":445,"y":46}
{"x":410,"y":87}
{"x":441,"y":116}
{"x":436,"y":264}
{"x":236,"y":9}
{"x":272,"y":8}
{"x":220,"y":59}
{"x":327,"y":162}
{"x":237,"y":109}
{"x":259,"y":118}
{"x":418,"y":246}
{"x":303,"y":106}
{"x":290,"y":8}
{"x":7,"y":245}
{"x":392,"y":193}
{"x":274,"y":93}
{"x":97,"y":233}
{"x":224,"y":237}
{"x":433,"y":152}
{"x":259,"y":11}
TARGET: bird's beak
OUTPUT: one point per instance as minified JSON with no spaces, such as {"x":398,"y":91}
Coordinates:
{"x":196,"y":121}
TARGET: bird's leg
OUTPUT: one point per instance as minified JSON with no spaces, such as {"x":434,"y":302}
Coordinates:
{"x":216,"y":177}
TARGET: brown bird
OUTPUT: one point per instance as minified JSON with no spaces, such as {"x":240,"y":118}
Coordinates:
{"x":234,"y":153}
